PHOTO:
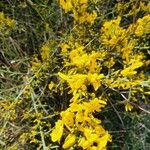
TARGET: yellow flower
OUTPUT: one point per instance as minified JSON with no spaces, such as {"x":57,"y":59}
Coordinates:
{"x":94,"y":105}
{"x":2,"y":17}
{"x":79,"y":117}
{"x":10,"y":22}
{"x":45,"y":52}
{"x":102,"y":141}
{"x":64,"y":47}
{"x":76,"y":107}
{"x":69,"y":141}
{"x":128,"y":107}
{"x":129,"y":71}
{"x":95,"y":79}
{"x":75,"y":81}
{"x":90,"y":138}
{"x":57,"y":132}
{"x":112,"y":32}
{"x":84,"y":143}
{"x":66,"y":5}
{"x":68,"y":118}
{"x":91,"y":17}
{"x":51,"y":85}
{"x":148,"y":93}
{"x":83,"y":1}
{"x":139,"y":30}
{"x":143,"y":26}
{"x":99,"y":130}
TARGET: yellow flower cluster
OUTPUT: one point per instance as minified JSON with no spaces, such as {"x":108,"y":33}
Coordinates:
{"x":45,"y":52}
{"x":79,"y":82}
{"x":132,"y":7}
{"x":83,"y":70}
{"x":79,"y":9}
{"x":8,"y":111}
{"x":78,"y":119}
{"x":79,"y":58}
{"x":143,"y":26}
{"x":119,"y":39}
{"x":6,"y":24}
{"x":38,"y":65}
{"x":77,"y":74}
{"x":82,"y":128}
{"x":91,"y":65}
{"x":78,"y":122}
{"x":121,"y":43}
{"x":111,"y":31}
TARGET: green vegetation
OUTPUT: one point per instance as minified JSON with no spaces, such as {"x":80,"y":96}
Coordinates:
{"x":74,"y":74}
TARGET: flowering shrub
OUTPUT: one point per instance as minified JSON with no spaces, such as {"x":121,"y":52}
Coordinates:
{"x":71,"y":81}
{"x":83,"y":69}
{"x":6,"y":24}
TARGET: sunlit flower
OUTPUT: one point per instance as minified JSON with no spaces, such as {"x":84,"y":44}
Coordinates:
{"x":69,"y":141}
{"x":128,"y":107}
{"x":57,"y":132}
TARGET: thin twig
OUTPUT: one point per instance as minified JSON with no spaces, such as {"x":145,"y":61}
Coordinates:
{"x":117,"y":113}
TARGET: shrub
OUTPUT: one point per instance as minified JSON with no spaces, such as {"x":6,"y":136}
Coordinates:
{"x":91,"y":67}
